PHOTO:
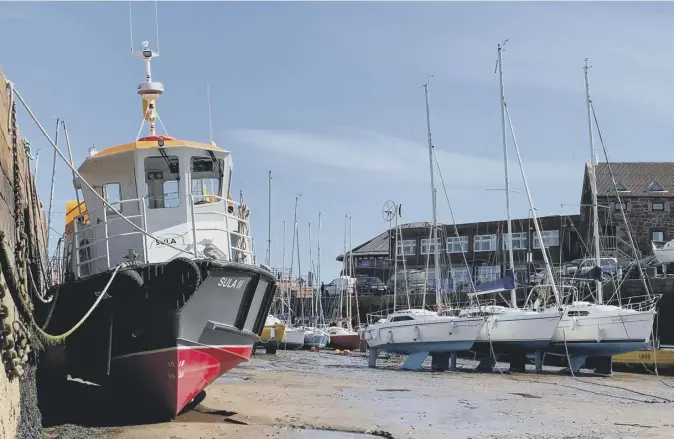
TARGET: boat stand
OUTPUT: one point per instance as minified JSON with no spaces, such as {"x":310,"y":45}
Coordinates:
{"x":440,"y":362}
{"x":487,"y":363}
{"x":538,"y":361}
{"x":576,"y":362}
{"x":603,"y":365}
{"x":517,"y":361}
{"x":372,"y":358}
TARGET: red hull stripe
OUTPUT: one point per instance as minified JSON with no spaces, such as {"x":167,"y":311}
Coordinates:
{"x":174,"y":376}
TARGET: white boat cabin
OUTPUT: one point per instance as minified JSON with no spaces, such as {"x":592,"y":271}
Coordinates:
{"x":175,"y":190}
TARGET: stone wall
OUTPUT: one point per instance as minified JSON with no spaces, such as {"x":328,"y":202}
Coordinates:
{"x":19,"y":415}
{"x":642,"y":220}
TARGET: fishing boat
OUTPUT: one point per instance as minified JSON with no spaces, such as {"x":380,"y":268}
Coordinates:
{"x":272,"y":334}
{"x":594,"y":329}
{"x":162,"y":257}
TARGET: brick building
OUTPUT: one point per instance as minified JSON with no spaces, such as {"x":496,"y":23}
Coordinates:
{"x":644,"y":191}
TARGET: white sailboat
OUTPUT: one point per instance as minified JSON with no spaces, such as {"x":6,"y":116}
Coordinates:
{"x":419,"y":333}
{"x":597,"y":330}
{"x":511,"y":329}
{"x":315,"y":337}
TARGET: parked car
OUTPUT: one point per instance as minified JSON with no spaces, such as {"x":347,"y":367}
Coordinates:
{"x":630,"y":268}
{"x":370,"y":285}
{"x":610,"y":267}
{"x":338,"y":285}
{"x":415,"y":281}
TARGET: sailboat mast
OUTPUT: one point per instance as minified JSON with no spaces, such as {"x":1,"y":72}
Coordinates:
{"x":509,"y":229}
{"x":351,"y":274}
{"x":318,"y":264}
{"x":309,"y":242}
{"x":594,"y":186}
{"x":434,"y":233}
{"x":283,"y":268}
{"x":269,"y":220}
{"x":344,"y":269}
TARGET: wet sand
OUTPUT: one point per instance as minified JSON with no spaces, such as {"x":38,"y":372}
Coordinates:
{"x":297,"y":395}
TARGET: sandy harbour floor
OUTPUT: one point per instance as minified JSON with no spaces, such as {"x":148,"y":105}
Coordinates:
{"x":299,"y":395}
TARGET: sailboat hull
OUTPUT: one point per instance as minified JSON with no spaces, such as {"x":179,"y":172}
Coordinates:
{"x":315,"y":339}
{"x":293,"y":339}
{"x":347,"y":341}
{"x":604,"y":331}
{"x":439,"y":335}
{"x":527,"y":331}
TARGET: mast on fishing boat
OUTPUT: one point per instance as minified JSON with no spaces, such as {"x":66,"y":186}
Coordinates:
{"x":594,"y":186}
{"x":500,"y":49}
{"x":434,"y":226}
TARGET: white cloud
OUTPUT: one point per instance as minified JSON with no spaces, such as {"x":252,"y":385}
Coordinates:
{"x":385,"y":158}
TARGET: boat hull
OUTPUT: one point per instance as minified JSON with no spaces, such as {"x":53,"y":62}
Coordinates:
{"x":514,"y":331}
{"x":442,"y":335}
{"x":162,"y":333}
{"x":293,"y":339}
{"x":345,"y":342}
{"x":315,"y":339}
{"x":605,"y":333}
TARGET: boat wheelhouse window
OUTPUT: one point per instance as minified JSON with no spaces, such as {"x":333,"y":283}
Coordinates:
{"x":577,"y":313}
{"x":207,"y":179}
{"x":112,"y":193}
{"x":162,"y":181}
{"x":401,"y":318}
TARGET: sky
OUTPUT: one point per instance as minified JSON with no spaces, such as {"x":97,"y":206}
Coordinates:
{"x":329,"y":97}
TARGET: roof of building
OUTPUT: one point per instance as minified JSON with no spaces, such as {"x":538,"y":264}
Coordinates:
{"x":635,"y":179}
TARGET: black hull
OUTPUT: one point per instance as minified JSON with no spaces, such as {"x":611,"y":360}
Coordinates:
{"x":158,"y":315}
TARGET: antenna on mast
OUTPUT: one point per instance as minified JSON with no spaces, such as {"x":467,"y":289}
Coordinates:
{"x":149,"y":90}
{"x":208,"y":102}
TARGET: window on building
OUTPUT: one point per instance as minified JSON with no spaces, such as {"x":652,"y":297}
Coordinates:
{"x":112,"y":193}
{"x":619,"y":206}
{"x":487,"y":273}
{"x":655,"y":187}
{"x":460,"y":277}
{"x":484,"y":243}
{"x":207,"y":179}
{"x":162,"y":176}
{"x":551,"y":239}
{"x":621,"y":188}
{"x":430,"y":246}
{"x":407,"y":247}
{"x":519,"y":241}
{"x":658,"y":236}
{"x":658,"y":207}
{"x":457,"y":244}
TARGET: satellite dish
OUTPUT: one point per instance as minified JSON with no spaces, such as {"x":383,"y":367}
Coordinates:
{"x":389,"y":210}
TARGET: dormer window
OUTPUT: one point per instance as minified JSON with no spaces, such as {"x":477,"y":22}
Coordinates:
{"x":621,"y":188}
{"x":655,"y":187}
